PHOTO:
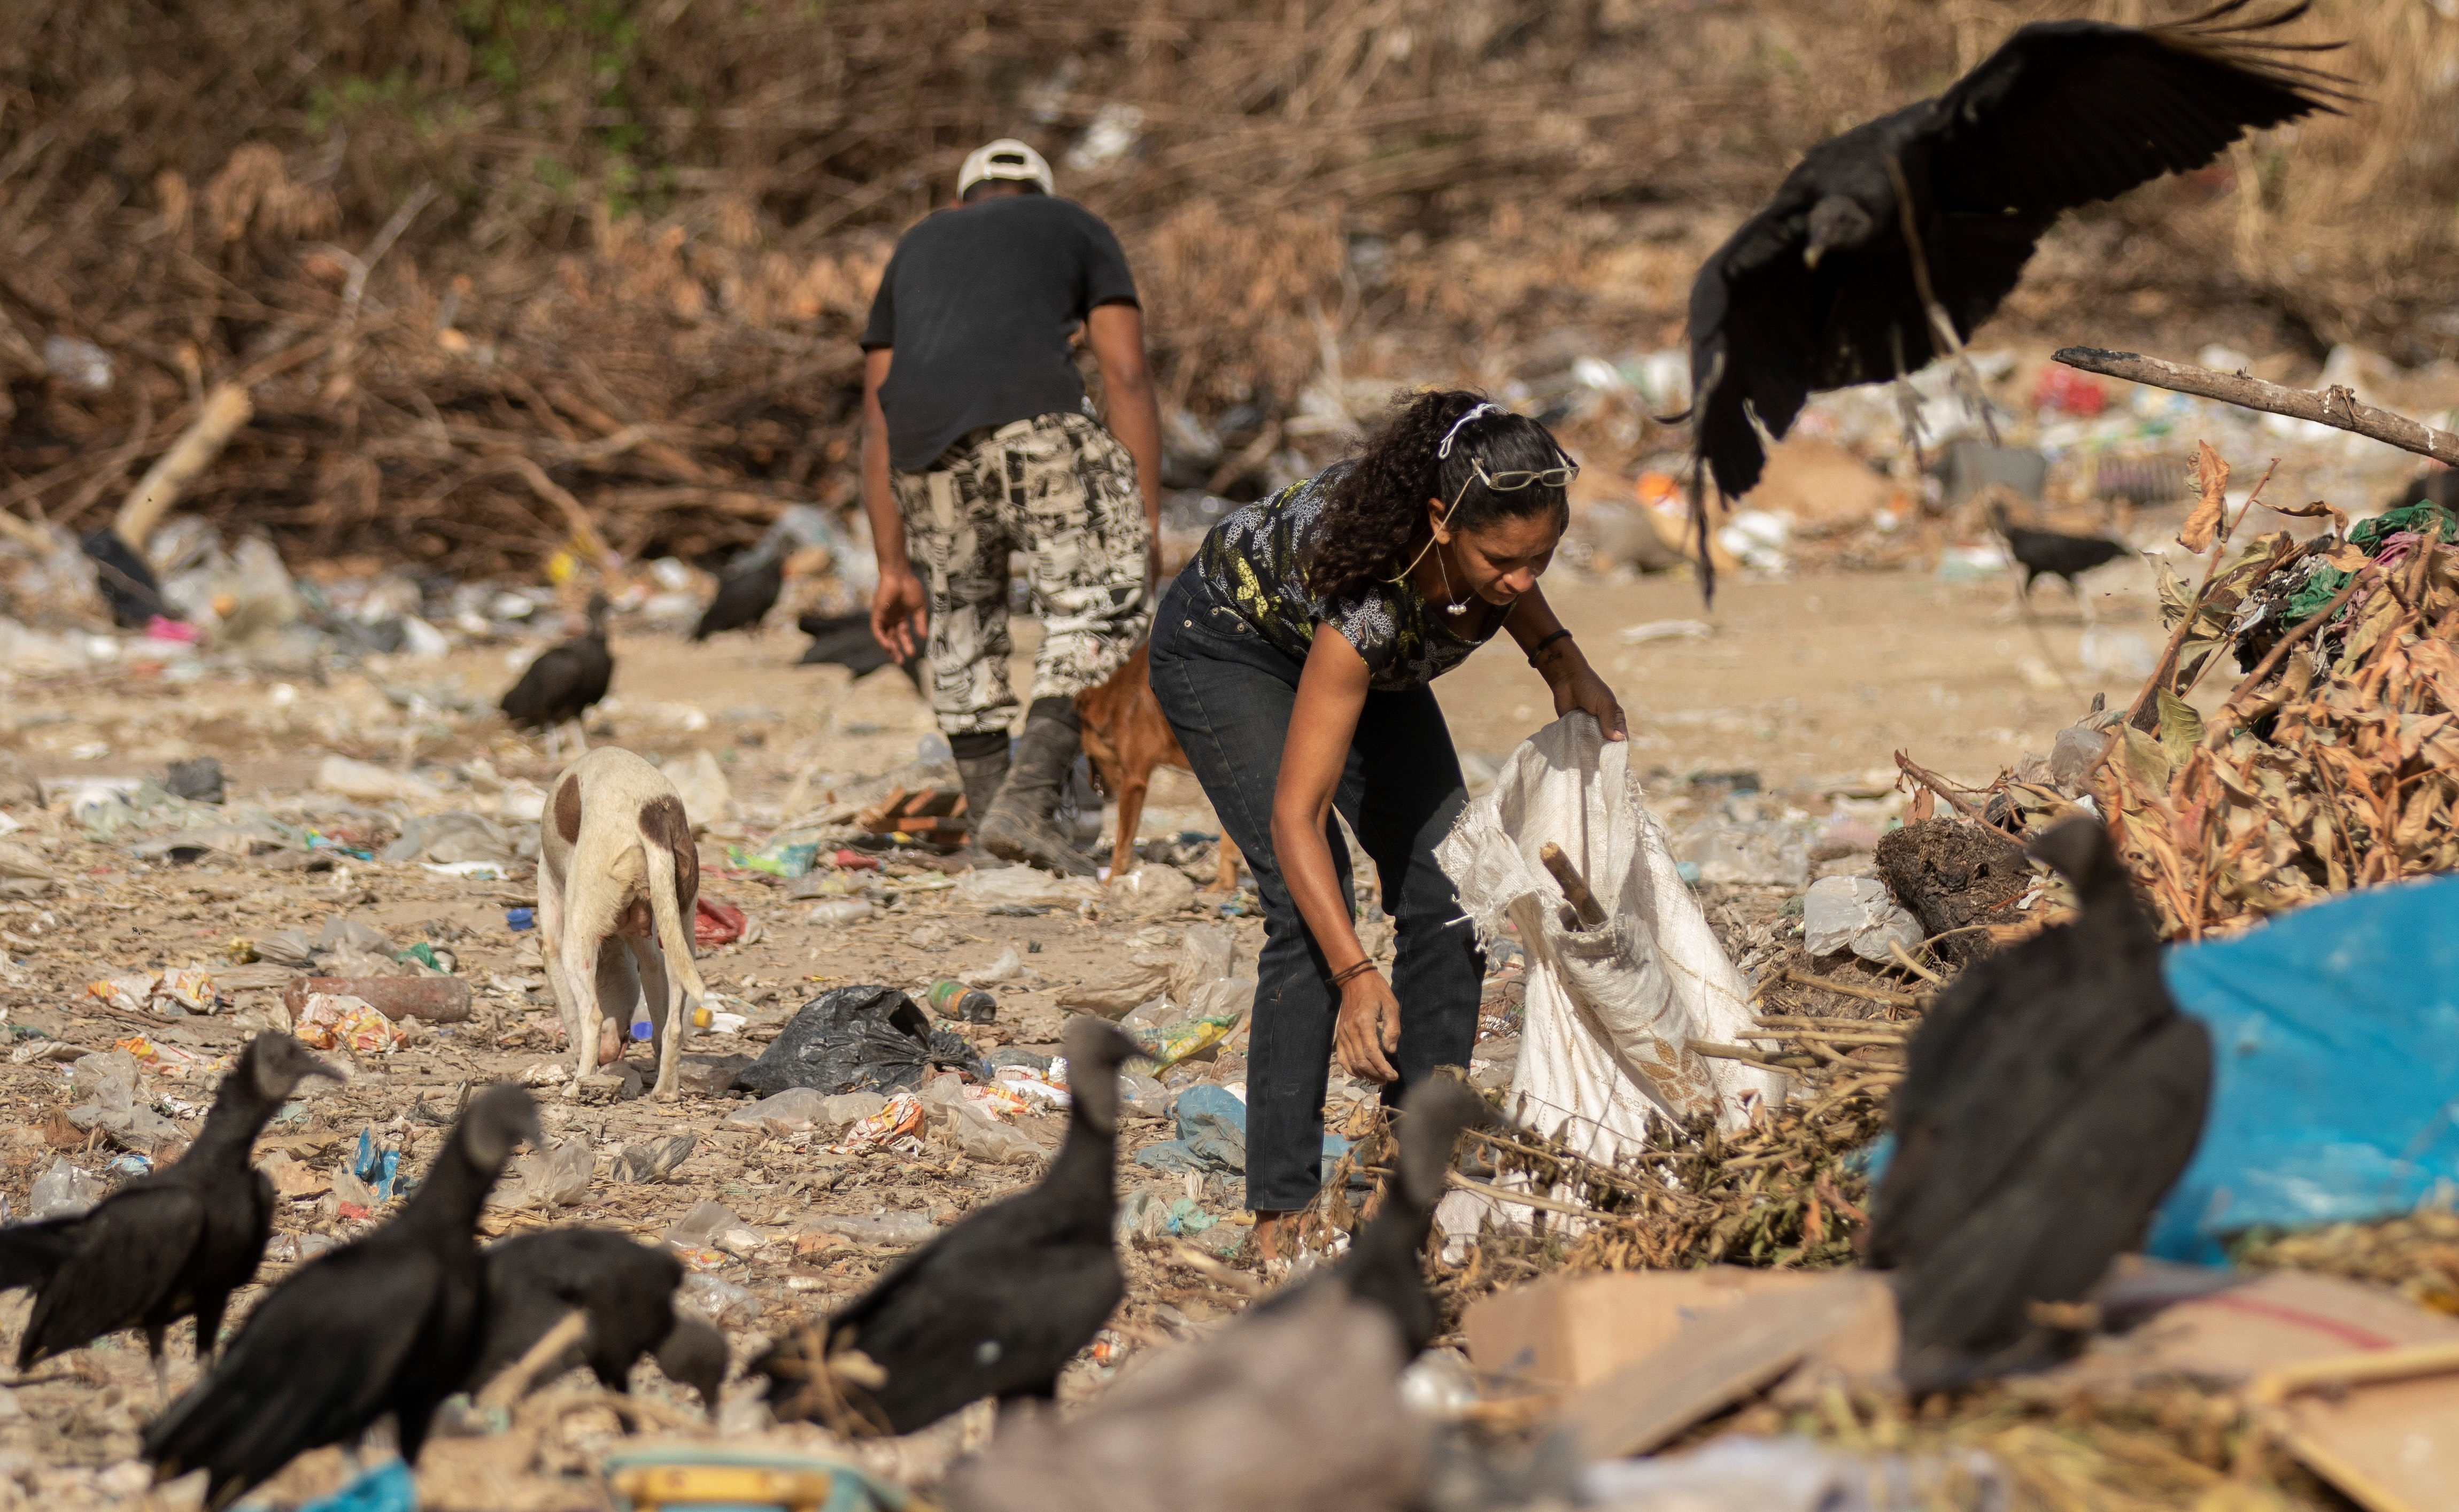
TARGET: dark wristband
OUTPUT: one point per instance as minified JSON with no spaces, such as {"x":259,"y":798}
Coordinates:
{"x":1544,"y":641}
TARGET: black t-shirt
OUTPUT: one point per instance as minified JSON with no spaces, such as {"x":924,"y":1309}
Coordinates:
{"x":979,"y":303}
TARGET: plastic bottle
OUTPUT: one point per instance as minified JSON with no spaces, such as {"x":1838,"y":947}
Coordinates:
{"x":954,"y":999}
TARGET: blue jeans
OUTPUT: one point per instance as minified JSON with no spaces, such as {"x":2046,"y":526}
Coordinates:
{"x":1229,"y":695}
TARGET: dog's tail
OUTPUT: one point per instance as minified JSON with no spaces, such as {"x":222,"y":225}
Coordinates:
{"x":674,"y":886}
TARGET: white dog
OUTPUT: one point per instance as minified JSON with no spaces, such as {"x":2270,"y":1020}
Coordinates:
{"x":616,"y":861}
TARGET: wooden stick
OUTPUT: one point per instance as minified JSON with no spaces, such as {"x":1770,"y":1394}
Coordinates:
{"x":1893,"y":999}
{"x":1575,"y":887}
{"x":1937,"y":785}
{"x":225,"y":410}
{"x":2333,"y":407}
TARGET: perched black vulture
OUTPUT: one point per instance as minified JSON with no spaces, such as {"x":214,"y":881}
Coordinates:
{"x":1383,"y":1265}
{"x":846,"y":641}
{"x":124,"y":578}
{"x":996,"y":1306}
{"x":565,"y":680}
{"x":389,"y":1324}
{"x":2053,"y":1095}
{"x":2048,"y":554}
{"x":1821,"y":290}
{"x":1294,"y":1406}
{"x":173,"y":1244}
{"x":745,"y":594}
{"x":625,"y":1290}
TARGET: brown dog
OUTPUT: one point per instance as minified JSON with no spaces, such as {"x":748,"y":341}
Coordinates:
{"x":1126,"y":737}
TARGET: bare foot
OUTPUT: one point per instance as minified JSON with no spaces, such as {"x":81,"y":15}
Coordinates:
{"x":1275,"y":1231}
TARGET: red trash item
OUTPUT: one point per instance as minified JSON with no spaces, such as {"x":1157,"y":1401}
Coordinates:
{"x":717,"y":923}
{"x":855,"y":861}
{"x":2063,"y":388}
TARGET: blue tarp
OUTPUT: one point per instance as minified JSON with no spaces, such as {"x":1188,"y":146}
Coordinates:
{"x":2334,"y":1086}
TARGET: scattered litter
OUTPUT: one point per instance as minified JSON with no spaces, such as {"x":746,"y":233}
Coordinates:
{"x":63,"y":1190}
{"x":558,"y":1176}
{"x":1021,"y":885}
{"x":337,"y":1020}
{"x":655,"y":1160}
{"x":896,"y":1126}
{"x":965,"y":1002}
{"x":1859,"y":914}
{"x":839,"y":911}
{"x":715,"y":923}
{"x":1184,"y":1041}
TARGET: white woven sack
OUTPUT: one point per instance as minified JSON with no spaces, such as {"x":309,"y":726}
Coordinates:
{"x":1610,"y":1010}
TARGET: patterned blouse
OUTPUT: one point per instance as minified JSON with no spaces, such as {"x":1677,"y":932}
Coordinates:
{"x":1254,"y":564}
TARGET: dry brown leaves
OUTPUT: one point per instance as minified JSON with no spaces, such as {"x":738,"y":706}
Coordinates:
{"x":2333,"y":765}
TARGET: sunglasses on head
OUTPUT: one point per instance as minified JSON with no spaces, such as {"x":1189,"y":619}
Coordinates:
{"x":1514,"y":481}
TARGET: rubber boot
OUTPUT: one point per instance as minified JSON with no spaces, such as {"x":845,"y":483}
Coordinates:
{"x":1021,"y":824}
{"x":982,"y":765}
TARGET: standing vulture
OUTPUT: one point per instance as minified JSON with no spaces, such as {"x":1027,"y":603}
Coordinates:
{"x":1821,"y":290}
{"x":995,"y":1307}
{"x":564,"y":681}
{"x":173,"y":1244}
{"x":2053,"y":1097}
{"x":391,"y":1324}
{"x":746,"y":592}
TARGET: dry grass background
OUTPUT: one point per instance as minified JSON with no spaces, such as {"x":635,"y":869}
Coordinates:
{"x":668,"y":214}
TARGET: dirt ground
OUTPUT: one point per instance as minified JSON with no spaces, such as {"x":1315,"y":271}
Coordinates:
{"x":1810,"y":683}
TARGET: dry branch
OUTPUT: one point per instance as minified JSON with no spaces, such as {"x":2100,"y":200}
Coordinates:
{"x":225,"y":410}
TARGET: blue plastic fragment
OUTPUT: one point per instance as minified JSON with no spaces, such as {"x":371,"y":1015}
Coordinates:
{"x":389,"y":1487}
{"x":380,"y":1170}
{"x":520,"y":918}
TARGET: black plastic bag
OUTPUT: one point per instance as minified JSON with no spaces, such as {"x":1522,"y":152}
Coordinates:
{"x":866,"y":1038}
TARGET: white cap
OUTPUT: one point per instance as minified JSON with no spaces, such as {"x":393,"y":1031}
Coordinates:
{"x":1004,"y":159}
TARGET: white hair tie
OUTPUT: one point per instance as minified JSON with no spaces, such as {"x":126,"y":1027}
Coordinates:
{"x":1446,"y":449}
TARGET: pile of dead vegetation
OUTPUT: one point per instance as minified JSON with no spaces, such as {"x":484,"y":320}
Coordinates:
{"x":2334,"y":764}
{"x":474,"y":263}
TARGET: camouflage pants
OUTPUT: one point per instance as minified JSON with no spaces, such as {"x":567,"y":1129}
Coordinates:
{"x":1062,"y":491}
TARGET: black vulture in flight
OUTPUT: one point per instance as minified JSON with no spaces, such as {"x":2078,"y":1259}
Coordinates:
{"x":626,"y":1290}
{"x":1821,"y":290}
{"x":996,"y":1306}
{"x":565,"y":680}
{"x":2053,"y":1095}
{"x":391,"y":1324}
{"x":173,"y":1244}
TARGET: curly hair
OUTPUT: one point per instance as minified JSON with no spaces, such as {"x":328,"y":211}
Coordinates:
{"x":1376,"y":511}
